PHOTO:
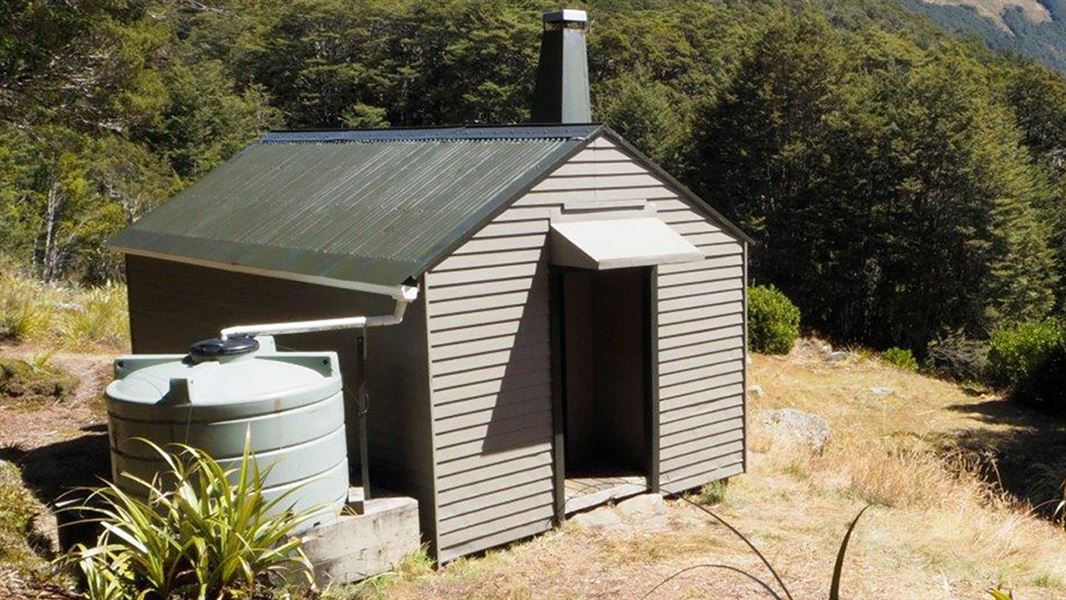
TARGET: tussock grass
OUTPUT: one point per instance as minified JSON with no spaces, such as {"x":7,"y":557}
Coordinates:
{"x":941,"y":503}
{"x":62,"y":316}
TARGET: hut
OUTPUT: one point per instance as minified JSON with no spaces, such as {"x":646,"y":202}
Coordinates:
{"x":575,"y":317}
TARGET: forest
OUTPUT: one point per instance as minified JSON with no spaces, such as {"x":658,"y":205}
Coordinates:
{"x":904,"y":187}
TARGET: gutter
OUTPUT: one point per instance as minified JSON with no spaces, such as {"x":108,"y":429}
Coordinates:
{"x":407,"y":295}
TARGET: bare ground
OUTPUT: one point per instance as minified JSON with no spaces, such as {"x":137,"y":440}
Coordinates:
{"x":57,"y":446}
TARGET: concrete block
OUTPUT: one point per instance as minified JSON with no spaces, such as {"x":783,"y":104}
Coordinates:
{"x":599,"y":519}
{"x":358,"y":546}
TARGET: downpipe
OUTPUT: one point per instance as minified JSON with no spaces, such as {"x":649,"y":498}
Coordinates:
{"x":407,"y":295}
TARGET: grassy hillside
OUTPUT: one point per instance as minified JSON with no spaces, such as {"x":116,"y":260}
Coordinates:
{"x":1033,"y":28}
{"x":913,"y":447}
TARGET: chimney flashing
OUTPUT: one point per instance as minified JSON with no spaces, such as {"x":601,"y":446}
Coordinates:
{"x":567,"y":15}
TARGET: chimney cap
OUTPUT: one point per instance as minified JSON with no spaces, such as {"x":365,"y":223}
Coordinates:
{"x":566,"y":15}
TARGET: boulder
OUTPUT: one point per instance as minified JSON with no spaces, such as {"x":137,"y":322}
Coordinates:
{"x":883,"y":391}
{"x":644,"y":505}
{"x":838,"y":356}
{"x":807,"y":428}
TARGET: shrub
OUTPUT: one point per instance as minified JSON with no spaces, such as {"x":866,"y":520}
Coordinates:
{"x":1043,"y":385}
{"x":900,"y":358}
{"x":957,"y":357}
{"x":1017,"y":350}
{"x":211,"y":533}
{"x":773,"y":320}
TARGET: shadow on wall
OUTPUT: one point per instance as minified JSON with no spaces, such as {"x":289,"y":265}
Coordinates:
{"x":521,"y":417}
{"x":1026,"y":454}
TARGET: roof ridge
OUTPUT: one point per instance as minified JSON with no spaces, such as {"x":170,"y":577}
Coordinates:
{"x":451,"y":133}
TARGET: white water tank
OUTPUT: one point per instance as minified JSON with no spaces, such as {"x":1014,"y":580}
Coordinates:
{"x":289,"y":405}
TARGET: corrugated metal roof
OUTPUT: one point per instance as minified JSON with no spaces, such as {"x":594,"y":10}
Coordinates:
{"x":375,"y":207}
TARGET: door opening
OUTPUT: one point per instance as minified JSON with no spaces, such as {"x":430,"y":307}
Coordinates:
{"x":605,"y":408}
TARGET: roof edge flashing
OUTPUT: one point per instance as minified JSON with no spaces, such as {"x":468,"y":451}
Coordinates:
{"x":402,"y":292}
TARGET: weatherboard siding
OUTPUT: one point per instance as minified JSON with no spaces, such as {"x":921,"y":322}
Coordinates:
{"x":490,"y":358}
{"x":701,"y":358}
{"x":169,"y":309}
{"x":490,"y":361}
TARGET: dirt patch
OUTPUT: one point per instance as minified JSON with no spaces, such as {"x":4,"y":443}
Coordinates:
{"x":58,"y":441}
{"x":43,"y":415}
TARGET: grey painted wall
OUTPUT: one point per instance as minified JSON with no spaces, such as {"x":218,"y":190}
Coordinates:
{"x":490,"y":360}
{"x":173,"y":305}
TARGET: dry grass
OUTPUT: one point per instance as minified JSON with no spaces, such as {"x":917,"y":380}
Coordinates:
{"x":939,"y":530}
{"x":62,"y":316}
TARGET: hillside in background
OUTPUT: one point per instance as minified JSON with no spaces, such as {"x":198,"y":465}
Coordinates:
{"x":1033,"y":28}
{"x":903,"y":185}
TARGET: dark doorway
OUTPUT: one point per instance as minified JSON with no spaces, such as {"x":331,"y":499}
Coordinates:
{"x":604,"y":329}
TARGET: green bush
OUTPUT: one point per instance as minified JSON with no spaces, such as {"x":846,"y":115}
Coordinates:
{"x":900,"y":358}
{"x":210,"y":533}
{"x":773,"y":320}
{"x":1016,"y":351}
{"x":1043,"y":386}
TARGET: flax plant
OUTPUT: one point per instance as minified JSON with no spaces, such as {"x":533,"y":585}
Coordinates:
{"x":196,"y":531}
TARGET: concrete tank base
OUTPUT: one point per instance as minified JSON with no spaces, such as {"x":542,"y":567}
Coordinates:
{"x":371,"y":538}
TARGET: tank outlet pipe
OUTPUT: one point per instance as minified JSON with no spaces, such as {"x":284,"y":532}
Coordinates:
{"x":407,"y":295}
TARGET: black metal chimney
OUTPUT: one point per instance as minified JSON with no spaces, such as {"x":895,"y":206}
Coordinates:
{"x":562,"y":92}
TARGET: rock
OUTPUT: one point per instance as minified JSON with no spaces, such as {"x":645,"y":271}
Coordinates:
{"x":755,"y":391}
{"x":837,"y":356}
{"x":807,"y":428}
{"x":644,"y":505}
{"x":655,"y":523}
{"x":600,"y":518}
{"x":883,"y":391}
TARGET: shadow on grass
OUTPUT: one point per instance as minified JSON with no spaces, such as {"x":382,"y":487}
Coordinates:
{"x":52,"y":470}
{"x":1018,"y":448}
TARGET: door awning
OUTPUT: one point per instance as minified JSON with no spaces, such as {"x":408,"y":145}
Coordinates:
{"x":616,"y":243}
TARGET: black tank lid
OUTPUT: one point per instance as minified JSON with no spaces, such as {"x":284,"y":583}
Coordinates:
{"x":214,"y":347}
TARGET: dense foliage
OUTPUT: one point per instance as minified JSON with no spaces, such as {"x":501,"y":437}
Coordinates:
{"x":1017,"y":351}
{"x":1030,"y":360}
{"x":773,"y":320}
{"x":902,"y":185}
